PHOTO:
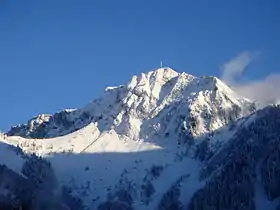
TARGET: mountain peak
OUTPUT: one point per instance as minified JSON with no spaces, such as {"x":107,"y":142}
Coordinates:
{"x":146,"y":99}
{"x":164,"y":70}
{"x":160,"y":75}
{"x":160,"y":122}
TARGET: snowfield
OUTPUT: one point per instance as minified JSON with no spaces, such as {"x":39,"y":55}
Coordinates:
{"x":93,"y":164}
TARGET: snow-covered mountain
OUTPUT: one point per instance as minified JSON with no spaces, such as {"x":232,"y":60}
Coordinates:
{"x":158,"y":102}
{"x":165,"y":140}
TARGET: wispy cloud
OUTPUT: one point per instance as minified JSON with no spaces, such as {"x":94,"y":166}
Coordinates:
{"x":232,"y":70}
{"x":265,"y":90}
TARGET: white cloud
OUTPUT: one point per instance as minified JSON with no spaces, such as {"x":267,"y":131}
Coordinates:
{"x":233,"y":69}
{"x":265,"y":90}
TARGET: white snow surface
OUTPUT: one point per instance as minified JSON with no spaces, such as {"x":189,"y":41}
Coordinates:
{"x":9,"y":157}
{"x":93,"y":163}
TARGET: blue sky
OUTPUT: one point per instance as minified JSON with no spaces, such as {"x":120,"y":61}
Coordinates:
{"x":62,"y":54}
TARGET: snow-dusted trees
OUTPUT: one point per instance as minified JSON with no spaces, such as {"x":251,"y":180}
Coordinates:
{"x":43,"y":182}
{"x":122,"y":197}
{"x":270,"y":171}
{"x":233,"y":169}
{"x":46,"y":193}
{"x":171,"y":199}
{"x":72,"y":202}
{"x":202,"y":151}
{"x":233,"y":188}
{"x":15,"y":191}
{"x":39,"y":171}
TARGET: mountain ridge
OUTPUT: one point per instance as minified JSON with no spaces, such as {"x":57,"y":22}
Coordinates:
{"x":161,"y":141}
{"x":149,"y":93}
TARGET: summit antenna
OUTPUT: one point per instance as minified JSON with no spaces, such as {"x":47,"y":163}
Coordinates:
{"x":161,"y":64}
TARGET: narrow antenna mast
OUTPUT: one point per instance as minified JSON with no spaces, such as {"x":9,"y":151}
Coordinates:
{"x":161,"y":64}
